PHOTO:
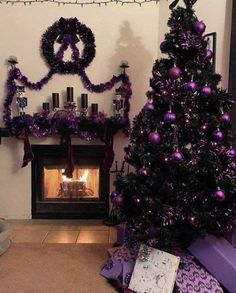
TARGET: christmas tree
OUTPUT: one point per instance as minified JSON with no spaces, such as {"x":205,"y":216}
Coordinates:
{"x":184,"y":181}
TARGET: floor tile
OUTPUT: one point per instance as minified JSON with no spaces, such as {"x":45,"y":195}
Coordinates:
{"x":61,"y":237}
{"x":93,"y":237}
{"x":28,"y":236}
{"x":65,"y":227}
{"x":112,"y":235}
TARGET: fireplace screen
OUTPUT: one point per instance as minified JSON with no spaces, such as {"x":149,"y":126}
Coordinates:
{"x":83,"y":185}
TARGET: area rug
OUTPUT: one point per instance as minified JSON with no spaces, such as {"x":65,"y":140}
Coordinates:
{"x":53,"y":268}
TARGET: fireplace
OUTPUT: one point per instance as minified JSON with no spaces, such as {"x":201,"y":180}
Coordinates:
{"x":85,"y":195}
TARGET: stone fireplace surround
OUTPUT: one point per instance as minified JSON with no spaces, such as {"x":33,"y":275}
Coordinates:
{"x":84,"y":155}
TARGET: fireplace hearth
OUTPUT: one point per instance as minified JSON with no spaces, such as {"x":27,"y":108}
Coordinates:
{"x":85,"y":195}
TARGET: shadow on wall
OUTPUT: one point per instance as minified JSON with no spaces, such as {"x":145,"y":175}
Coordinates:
{"x":130,"y":48}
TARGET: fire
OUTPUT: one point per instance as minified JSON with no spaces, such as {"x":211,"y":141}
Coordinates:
{"x":84,"y":177}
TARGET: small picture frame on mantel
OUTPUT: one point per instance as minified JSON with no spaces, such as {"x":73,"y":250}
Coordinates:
{"x":211,"y":44}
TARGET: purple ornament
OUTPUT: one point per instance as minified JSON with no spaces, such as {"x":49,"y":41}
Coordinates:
{"x":149,"y":106}
{"x":127,"y":157}
{"x":177,"y":157}
{"x":163,"y":46}
{"x":154,"y":137}
{"x":206,"y":91}
{"x":118,"y":200}
{"x":192,"y":217}
{"x":219,"y":194}
{"x":225,"y":118}
{"x":191,"y":86}
{"x":231,"y":153}
{"x":218,"y":135}
{"x":143,"y":172}
{"x":174,"y":72}
{"x":170,"y":117}
{"x":113,"y":195}
{"x":199,"y":27}
{"x":209,"y":54}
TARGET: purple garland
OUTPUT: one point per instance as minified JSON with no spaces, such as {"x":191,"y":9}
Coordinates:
{"x":41,"y":125}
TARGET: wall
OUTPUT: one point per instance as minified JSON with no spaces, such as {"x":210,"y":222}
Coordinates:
{"x":122,"y":33}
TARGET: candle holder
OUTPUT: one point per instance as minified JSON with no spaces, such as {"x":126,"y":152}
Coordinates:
{"x":118,"y":104}
{"x":21,"y":100}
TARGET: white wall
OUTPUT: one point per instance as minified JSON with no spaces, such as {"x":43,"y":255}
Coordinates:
{"x":122,"y":33}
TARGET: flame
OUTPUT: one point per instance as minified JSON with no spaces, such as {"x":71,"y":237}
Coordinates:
{"x":84,"y":177}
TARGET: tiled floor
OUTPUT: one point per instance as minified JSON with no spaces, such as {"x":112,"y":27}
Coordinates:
{"x":61,"y":231}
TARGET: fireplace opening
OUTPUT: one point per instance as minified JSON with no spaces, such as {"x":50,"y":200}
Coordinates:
{"x":85,"y":195}
{"x":83,"y":185}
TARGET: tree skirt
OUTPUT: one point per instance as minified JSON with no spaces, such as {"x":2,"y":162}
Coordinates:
{"x":4,"y":236}
{"x":191,"y":276}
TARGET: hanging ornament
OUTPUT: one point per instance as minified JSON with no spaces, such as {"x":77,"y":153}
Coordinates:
{"x":209,"y":54}
{"x":164,"y":46}
{"x":118,"y":200}
{"x":174,"y":72}
{"x":191,"y":86}
{"x":206,"y":91}
{"x":154,"y":137}
{"x":149,"y":106}
{"x":199,"y":27}
{"x":177,"y":157}
{"x":113,"y":195}
{"x":231,"y":153}
{"x":143,"y":172}
{"x":225,"y":118}
{"x":169,"y":117}
{"x":219,"y":194}
{"x":218,"y":135}
{"x":128,"y":157}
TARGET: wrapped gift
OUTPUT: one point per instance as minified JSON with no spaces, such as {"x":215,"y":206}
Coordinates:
{"x":219,"y":257}
{"x":231,"y":237}
{"x":191,"y":277}
{"x":154,"y":271}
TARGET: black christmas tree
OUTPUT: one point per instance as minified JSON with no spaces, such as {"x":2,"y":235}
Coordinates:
{"x":184,"y":181}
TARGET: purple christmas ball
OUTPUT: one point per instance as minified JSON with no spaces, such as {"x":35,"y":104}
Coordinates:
{"x":192,"y":217}
{"x":209,"y":54}
{"x":206,"y":91}
{"x":164,"y":46}
{"x":191,"y":86}
{"x":143,"y":172}
{"x":118,"y":200}
{"x":199,"y":27}
{"x":231,"y":153}
{"x":174,"y":72}
{"x":170,"y":117}
{"x":177,"y":157}
{"x":219,"y":194}
{"x":217,"y":135}
{"x":154,"y":137}
{"x":225,"y":118}
{"x":113,"y":195}
{"x":149,"y":106}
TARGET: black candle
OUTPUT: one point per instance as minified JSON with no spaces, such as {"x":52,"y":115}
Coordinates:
{"x":84,"y":101}
{"x":70,"y":94}
{"x":46,"y":107}
{"x":55,"y":100}
{"x":94,"y":109}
